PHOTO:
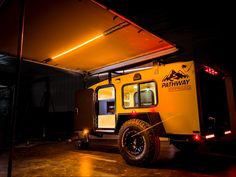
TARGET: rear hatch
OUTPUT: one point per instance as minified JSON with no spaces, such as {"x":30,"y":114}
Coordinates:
{"x":214,"y":111}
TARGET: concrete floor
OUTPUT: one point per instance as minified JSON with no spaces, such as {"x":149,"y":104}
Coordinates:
{"x":63,"y":159}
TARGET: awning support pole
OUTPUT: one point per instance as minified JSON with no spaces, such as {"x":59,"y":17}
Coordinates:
{"x":109,"y":77}
{"x":15,"y":99}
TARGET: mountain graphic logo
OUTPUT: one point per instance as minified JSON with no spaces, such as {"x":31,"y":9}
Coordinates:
{"x":173,"y":75}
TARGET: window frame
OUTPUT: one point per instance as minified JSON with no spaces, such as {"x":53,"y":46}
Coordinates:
{"x":139,"y":97}
{"x":97,"y":101}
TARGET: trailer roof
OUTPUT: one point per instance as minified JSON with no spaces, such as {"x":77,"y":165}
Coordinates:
{"x":78,"y":35}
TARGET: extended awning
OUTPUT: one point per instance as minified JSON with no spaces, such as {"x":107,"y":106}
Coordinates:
{"x":79,"y":35}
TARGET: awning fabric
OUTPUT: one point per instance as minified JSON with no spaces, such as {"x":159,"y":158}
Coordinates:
{"x":102,"y":39}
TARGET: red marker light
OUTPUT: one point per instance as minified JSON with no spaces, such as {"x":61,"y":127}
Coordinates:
{"x":197,"y":137}
{"x":210,"y":70}
{"x":133,"y":113}
{"x":152,"y":109}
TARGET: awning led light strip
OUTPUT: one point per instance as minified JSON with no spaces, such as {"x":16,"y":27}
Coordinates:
{"x":107,"y":32}
{"x":78,"y":46}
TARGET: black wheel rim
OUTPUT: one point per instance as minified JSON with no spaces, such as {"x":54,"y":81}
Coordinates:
{"x":133,"y":144}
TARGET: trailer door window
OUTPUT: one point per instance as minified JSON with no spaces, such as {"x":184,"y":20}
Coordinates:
{"x":106,"y":107}
{"x":106,"y":99}
{"x":139,"y":95}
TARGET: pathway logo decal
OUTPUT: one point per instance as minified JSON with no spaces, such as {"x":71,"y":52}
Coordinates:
{"x":177,"y":80}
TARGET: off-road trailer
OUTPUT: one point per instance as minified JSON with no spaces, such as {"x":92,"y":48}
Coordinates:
{"x":184,"y":101}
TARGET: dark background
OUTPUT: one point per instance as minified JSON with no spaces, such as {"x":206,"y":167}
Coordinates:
{"x":202,"y":30}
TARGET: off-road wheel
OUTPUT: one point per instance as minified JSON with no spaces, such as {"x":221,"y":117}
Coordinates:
{"x":138,"y":145}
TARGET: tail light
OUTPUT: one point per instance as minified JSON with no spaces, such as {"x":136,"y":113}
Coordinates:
{"x":210,"y":136}
{"x":227,"y":132}
{"x":197,"y":137}
{"x":210,"y":70}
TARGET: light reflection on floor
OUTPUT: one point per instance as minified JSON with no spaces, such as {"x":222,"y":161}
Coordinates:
{"x":63,"y":159}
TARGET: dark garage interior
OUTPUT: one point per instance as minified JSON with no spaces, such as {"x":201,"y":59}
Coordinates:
{"x":47,"y":94}
{"x":46,"y":109}
{"x":43,"y":110}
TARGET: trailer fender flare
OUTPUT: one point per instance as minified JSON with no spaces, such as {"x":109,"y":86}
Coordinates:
{"x":153,"y":118}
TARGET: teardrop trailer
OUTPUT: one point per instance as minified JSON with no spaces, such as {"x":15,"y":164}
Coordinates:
{"x":180,"y":101}
{"x":183,"y":101}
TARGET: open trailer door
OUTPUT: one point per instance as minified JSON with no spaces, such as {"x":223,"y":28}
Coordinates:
{"x":95,"y":113}
{"x":84,"y":110}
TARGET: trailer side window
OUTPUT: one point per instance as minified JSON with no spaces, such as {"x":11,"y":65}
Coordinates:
{"x":146,"y":98}
{"x":139,"y":95}
{"x":148,"y":94}
{"x":128,"y":95}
